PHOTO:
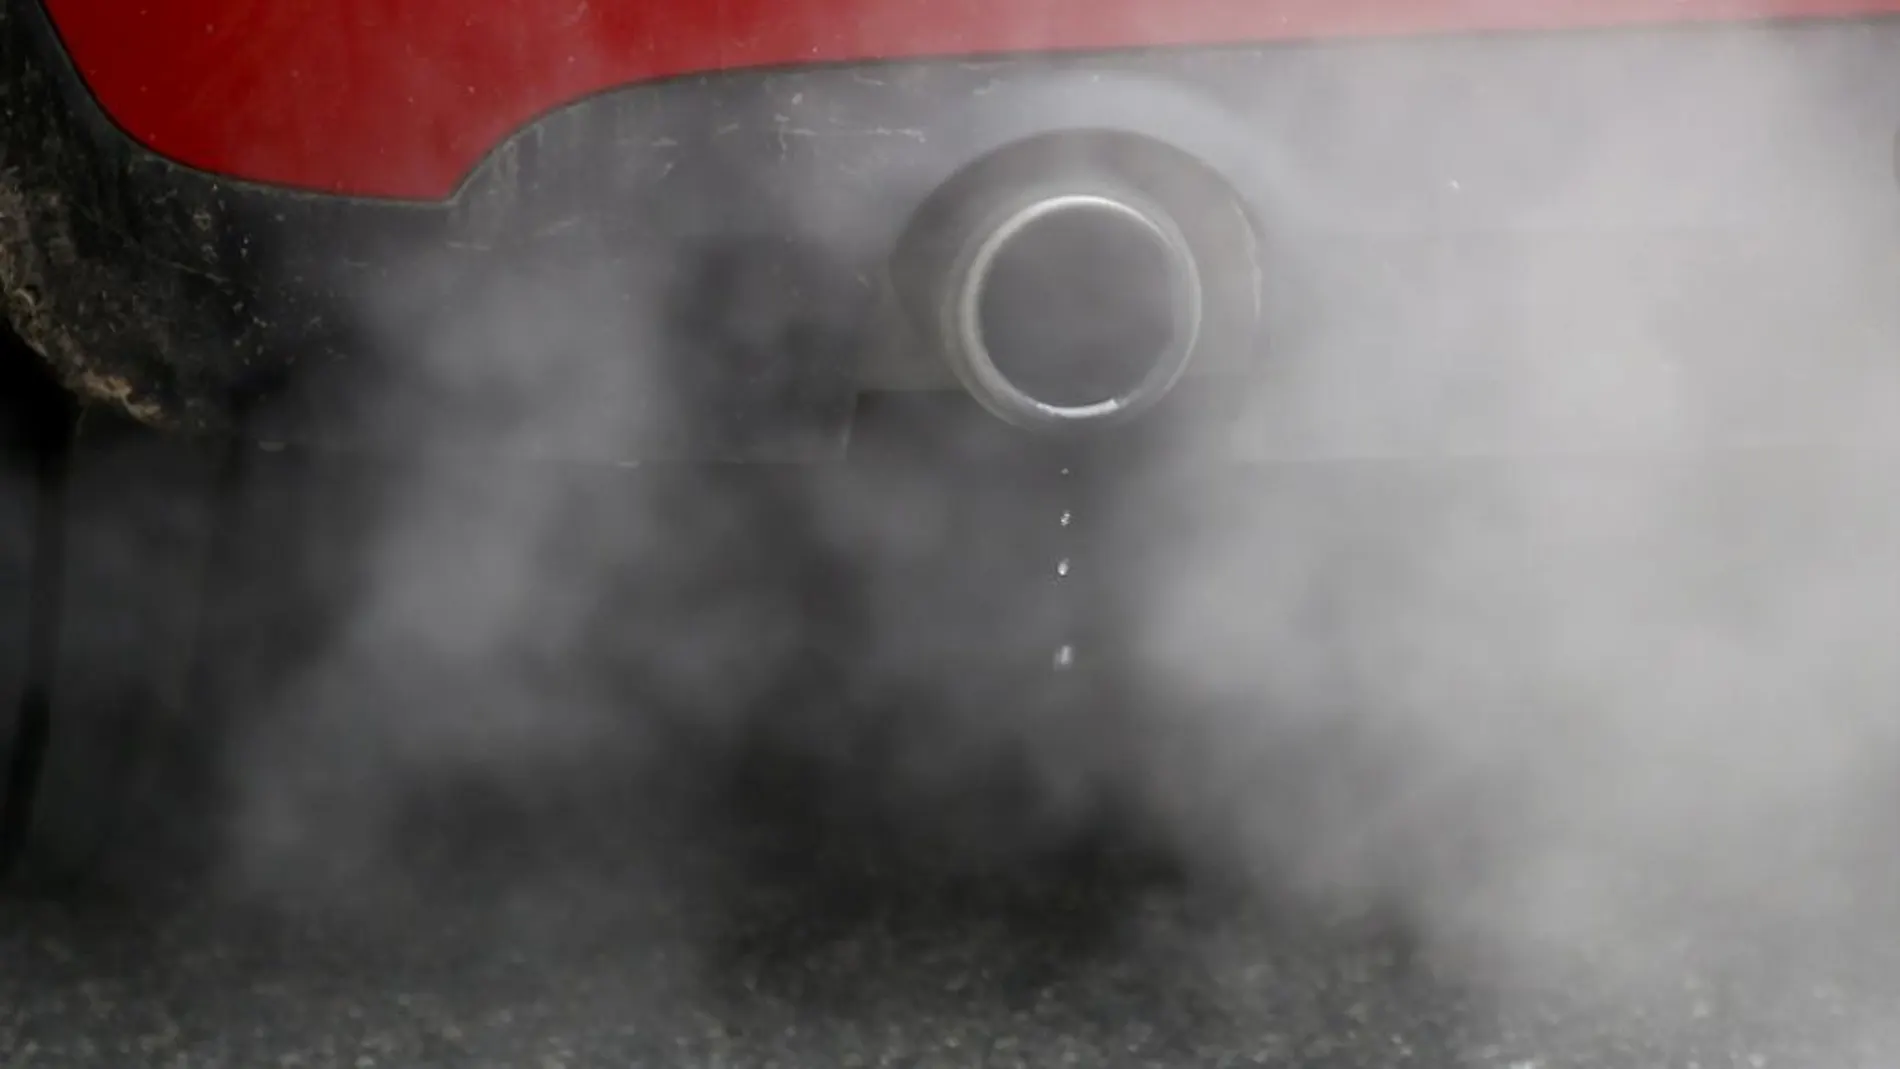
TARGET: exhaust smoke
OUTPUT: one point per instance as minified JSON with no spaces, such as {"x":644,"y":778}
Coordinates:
{"x":1560,"y":714}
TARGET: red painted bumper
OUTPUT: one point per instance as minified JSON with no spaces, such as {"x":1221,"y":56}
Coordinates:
{"x":401,"y":98}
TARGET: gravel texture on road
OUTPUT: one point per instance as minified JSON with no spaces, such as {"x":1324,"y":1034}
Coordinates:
{"x":767,"y":943}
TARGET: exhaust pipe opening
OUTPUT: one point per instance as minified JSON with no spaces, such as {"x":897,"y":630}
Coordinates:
{"x":1072,"y":309}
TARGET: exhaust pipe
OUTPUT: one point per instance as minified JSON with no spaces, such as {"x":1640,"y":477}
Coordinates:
{"x":1071,"y":309}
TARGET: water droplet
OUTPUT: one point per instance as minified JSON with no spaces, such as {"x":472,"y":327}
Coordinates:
{"x":1065,"y":657}
{"x":1062,"y":567}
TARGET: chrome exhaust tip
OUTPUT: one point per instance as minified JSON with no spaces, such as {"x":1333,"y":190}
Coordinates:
{"x":1073,"y":309}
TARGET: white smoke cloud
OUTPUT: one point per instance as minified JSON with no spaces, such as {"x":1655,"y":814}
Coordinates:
{"x":1514,"y":624}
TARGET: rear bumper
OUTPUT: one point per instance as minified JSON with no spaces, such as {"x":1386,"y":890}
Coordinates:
{"x":1489,"y":243}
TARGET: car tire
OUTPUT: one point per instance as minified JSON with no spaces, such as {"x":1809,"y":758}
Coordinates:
{"x":102,"y":533}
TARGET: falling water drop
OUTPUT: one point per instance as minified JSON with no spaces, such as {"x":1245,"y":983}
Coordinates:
{"x":1065,"y":654}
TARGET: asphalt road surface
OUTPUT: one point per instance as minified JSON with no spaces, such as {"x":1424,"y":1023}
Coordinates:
{"x":757,"y":936}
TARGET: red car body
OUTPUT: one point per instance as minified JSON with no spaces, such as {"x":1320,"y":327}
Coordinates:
{"x":402,"y":100}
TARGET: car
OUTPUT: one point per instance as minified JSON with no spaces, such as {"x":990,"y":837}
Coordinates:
{"x":374,"y":365}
